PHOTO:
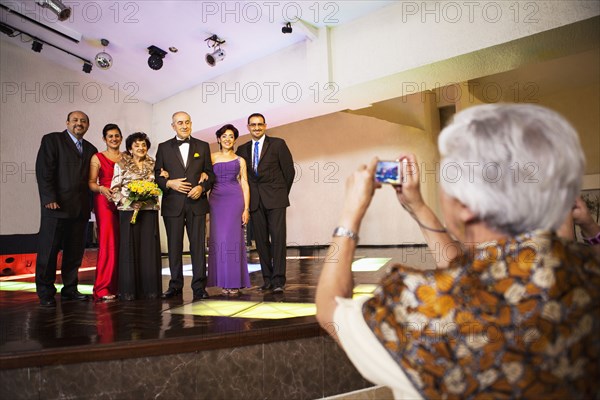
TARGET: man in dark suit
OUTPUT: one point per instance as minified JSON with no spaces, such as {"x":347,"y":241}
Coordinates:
{"x":62,"y":170}
{"x":270,"y":176}
{"x":184,"y":202}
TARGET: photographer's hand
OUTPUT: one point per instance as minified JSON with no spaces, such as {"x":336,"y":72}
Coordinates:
{"x":360,"y":188}
{"x":409,"y":191}
{"x":441,"y":245}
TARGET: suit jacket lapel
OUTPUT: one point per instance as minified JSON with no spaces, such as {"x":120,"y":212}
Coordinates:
{"x":175,"y":147}
{"x":71,"y":143}
{"x":191,"y":152}
{"x":263,"y":151}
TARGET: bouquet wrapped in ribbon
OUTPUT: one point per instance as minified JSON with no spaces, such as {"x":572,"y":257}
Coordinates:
{"x":144,"y":192}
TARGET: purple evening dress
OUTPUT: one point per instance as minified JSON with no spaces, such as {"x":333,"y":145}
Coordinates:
{"x":227,"y":263}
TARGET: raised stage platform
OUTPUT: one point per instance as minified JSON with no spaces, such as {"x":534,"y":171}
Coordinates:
{"x":251,"y":346}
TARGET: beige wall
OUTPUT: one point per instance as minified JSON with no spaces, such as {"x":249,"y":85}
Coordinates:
{"x":326,"y":151}
{"x":581,"y":106}
{"x":36,"y":98}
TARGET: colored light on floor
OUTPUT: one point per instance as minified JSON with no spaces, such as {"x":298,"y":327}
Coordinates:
{"x":367,"y":288}
{"x":272,"y":310}
{"x":213,"y":308}
{"x":363,"y":290}
{"x":360,"y":295}
{"x":369,"y":264}
{"x":30,"y":287}
{"x":246,"y":309}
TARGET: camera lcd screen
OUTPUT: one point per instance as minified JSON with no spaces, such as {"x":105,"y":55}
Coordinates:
{"x":388,"y":172}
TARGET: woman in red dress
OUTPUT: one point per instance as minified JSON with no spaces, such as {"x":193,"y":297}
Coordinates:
{"x":107,"y":217}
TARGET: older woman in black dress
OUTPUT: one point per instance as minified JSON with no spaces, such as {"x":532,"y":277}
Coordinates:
{"x":139,"y":250}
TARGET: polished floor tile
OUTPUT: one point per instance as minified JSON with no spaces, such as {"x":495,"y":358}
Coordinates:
{"x":27,"y":330}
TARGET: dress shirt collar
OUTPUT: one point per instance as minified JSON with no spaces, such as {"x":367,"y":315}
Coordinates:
{"x":74,"y":139}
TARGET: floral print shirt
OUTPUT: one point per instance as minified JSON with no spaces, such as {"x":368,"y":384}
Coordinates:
{"x":519,"y":318}
{"x":127,"y":171}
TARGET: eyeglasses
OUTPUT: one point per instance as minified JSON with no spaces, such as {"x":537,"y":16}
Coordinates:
{"x":261,"y":125}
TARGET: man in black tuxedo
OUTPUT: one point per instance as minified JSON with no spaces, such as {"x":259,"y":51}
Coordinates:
{"x":62,"y":170}
{"x":184,"y":202}
{"x":270,"y":176}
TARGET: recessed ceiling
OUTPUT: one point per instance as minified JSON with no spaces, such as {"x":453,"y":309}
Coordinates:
{"x":251,"y":30}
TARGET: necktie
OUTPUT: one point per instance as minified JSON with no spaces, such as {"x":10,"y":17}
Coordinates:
{"x":79,"y":147}
{"x":255,"y":163}
{"x":180,"y":142}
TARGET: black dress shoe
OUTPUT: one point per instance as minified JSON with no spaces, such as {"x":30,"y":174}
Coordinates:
{"x":48,"y":302}
{"x":73,"y":296}
{"x":171,"y":292}
{"x":265,"y":288}
{"x":278,"y":289}
{"x":201,"y":295}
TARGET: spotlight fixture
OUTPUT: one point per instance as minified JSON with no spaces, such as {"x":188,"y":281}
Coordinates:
{"x":87,"y":67}
{"x":37,"y":46}
{"x":218,"y":54}
{"x":287,"y":28}
{"x":155,"y":61}
{"x":62,"y":12}
{"x":213,"y":58}
{"x":103,"y":59}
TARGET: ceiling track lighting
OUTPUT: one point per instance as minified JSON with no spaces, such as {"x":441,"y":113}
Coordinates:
{"x":287,"y":28}
{"x":218,"y":53}
{"x":155,"y":61}
{"x":68,"y":34}
{"x":37,"y":44}
{"x":62,"y":12}
{"x":103,"y":59}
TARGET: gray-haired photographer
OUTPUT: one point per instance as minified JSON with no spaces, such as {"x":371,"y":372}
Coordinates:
{"x":517,"y":311}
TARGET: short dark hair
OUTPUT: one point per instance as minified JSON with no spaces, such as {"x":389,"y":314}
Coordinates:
{"x":69,"y":115}
{"x":135,"y":137}
{"x":257,"y":115}
{"x":110,"y":127}
{"x":226,"y":128}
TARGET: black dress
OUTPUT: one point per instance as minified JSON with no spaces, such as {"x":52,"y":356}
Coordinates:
{"x":139,"y":247}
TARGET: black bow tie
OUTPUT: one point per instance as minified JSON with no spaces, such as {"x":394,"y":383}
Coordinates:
{"x":180,"y":142}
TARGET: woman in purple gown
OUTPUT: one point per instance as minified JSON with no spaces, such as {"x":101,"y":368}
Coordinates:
{"x":229,"y":208}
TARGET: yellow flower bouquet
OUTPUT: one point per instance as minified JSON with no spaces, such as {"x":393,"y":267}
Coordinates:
{"x":143,"y":192}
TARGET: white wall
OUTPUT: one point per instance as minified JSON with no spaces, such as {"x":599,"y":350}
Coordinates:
{"x":410,"y":34}
{"x":36,"y":98}
{"x":330,"y":71}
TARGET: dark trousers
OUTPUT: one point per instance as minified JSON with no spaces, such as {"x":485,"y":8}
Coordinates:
{"x":55,"y":234}
{"x":195,"y":225}
{"x":269,"y":228}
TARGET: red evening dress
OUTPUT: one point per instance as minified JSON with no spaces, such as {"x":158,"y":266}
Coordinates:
{"x":107,"y":218}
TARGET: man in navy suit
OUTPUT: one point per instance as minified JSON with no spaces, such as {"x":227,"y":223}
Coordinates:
{"x":184,"y":202}
{"x":270,"y":176}
{"x":62,"y":170}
